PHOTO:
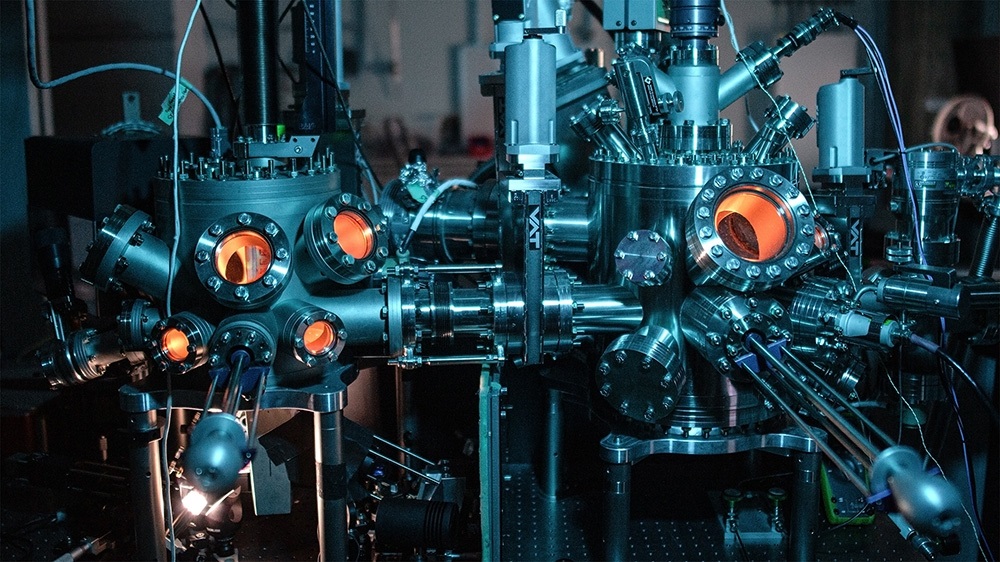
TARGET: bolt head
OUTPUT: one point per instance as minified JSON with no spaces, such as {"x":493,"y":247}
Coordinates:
{"x":244,"y":219}
{"x":620,"y":357}
{"x":268,"y":281}
{"x":215,"y":230}
{"x":281,"y":254}
{"x":201,"y":256}
{"x":241,"y":293}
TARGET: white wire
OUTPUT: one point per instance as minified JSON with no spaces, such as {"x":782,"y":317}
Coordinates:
{"x":882,"y":78}
{"x":37,"y":81}
{"x":173,"y":259}
{"x":445,"y":186}
{"x":729,"y":25}
{"x":923,"y":443}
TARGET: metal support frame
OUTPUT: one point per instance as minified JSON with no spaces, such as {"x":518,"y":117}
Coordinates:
{"x":146,"y":486}
{"x":621,"y":452}
{"x":325,"y":399}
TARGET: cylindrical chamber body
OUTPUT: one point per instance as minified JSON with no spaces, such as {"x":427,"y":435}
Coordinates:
{"x":626,"y":197}
{"x":285,"y":200}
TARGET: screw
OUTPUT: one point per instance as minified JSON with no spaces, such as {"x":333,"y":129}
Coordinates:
{"x":345,"y":198}
{"x":215,"y":229}
{"x":619,"y":254}
{"x":605,"y":389}
{"x":243,"y":219}
{"x":382,"y":252}
{"x":716,"y":251}
{"x":633,"y":236}
{"x":201,"y":256}
{"x":736,"y":173}
{"x":723,"y":365}
{"x":666,"y":380}
{"x":776,"y":311}
{"x":268,"y":281}
{"x":773,"y":271}
{"x":703,"y":212}
{"x":281,"y":254}
{"x":753,"y":271}
{"x":775,"y":180}
{"x":604,"y":369}
{"x":715,"y":339}
{"x":733,"y":264}
{"x":623,"y":407}
{"x":370,"y":266}
{"x":705,"y":232}
{"x":330,"y":212}
{"x":620,"y":357}
{"x":752,"y":302}
{"x":241,"y":293}
{"x":792,"y":262}
{"x":757,"y":173}
{"x":271,"y":229}
{"x":650,"y":413}
{"x":214,"y":283}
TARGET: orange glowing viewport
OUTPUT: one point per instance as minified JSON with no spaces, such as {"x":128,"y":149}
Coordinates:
{"x":752,"y":225}
{"x":354,"y":234}
{"x":319,"y":338}
{"x":174,"y":344}
{"x":243,"y":257}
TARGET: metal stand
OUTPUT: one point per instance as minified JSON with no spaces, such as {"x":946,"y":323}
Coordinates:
{"x":326,"y":399}
{"x":146,"y":486}
{"x":551,"y":464}
{"x":805,"y":507}
{"x":331,"y":486}
{"x":620,"y":452}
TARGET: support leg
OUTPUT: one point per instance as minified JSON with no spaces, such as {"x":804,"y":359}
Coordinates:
{"x":805,"y":507}
{"x":551,"y":466}
{"x":331,"y":486}
{"x":618,"y":482}
{"x":146,"y":486}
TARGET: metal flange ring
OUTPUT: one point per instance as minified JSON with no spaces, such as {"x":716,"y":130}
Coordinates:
{"x":748,"y":229}
{"x":243,"y":259}
{"x":346,"y":239}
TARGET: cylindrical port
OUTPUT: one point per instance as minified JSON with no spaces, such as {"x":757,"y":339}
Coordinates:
{"x":343,"y":240}
{"x":178,"y":344}
{"x":243,"y":260}
{"x":640,"y":374}
{"x":749,"y":229}
{"x":243,"y":257}
{"x":84,"y":356}
{"x":716,"y":321}
{"x":125,"y":251}
{"x":310,"y":333}
{"x":405,"y":523}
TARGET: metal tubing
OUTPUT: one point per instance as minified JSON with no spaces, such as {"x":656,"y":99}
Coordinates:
{"x":824,"y":407}
{"x":985,"y":257}
{"x":331,"y":486}
{"x":618,"y":482}
{"x":257,"y":22}
{"x":231,"y":400}
{"x":804,"y":367}
{"x":551,"y":465}
{"x":807,"y":429}
{"x":805,"y":507}
{"x":146,"y":486}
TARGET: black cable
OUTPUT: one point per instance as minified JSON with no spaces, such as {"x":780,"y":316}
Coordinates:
{"x":952,"y":398}
{"x":222,"y":64}
{"x":594,"y":10}
{"x":287,"y":9}
{"x":977,"y":390}
{"x":860,"y":512}
{"x":739,"y":540}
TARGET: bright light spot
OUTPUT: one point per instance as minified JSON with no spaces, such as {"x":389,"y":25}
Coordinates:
{"x":195,"y":502}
